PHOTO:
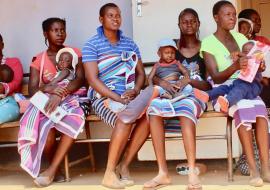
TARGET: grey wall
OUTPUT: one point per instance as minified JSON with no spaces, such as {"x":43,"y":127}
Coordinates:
{"x":21,"y":23}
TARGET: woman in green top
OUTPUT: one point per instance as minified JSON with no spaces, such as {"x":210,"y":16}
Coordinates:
{"x":216,"y":51}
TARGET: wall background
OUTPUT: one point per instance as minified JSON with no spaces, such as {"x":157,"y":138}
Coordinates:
{"x":21,"y":23}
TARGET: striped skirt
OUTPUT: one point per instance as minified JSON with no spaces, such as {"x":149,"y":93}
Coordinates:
{"x":35,"y":127}
{"x":246,"y":111}
{"x":189,"y":107}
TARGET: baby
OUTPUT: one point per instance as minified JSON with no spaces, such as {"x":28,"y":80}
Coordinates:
{"x":229,"y":95}
{"x":171,"y":70}
{"x":66,"y":60}
{"x":6,"y":75}
{"x":245,"y":26}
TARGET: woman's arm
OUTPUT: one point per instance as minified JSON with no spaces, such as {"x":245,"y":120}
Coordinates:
{"x":33,"y":83}
{"x":183,"y":70}
{"x":140,"y":76}
{"x":202,"y":85}
{"x":15,"y":84}
{"x":152,"y":75}
{"x":91,"y":73}
{"x":221,"y":77}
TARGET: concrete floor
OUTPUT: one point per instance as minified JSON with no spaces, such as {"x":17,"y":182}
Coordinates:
{"x":14,"y":178}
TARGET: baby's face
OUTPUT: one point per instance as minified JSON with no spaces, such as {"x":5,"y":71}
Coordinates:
{"x":65,"y":61}
{"x":244,"y":28}
{"x":247,"y":47}
{"x":167,"y":54}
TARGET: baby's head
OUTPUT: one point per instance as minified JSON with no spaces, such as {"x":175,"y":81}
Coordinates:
{"x":245,"y":26}
{"x":166,"y":50}
{"x":66,"y":58}
{"x":6,"y":73}
{"x":248,"y":46}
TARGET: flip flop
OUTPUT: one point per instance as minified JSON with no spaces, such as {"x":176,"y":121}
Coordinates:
{"x":194,"y":187}
{"x":43,"y":181}
{"x":154,"y":185}
{"x":114,"y":186}
{"x":124,"y":179}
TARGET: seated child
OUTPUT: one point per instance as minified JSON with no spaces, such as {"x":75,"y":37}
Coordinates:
{"x":229,"y":95}
{"x":66,"y":60}
{"x":6,"y":75}
{"x":245,"y":26}
{"x":169,"y":69}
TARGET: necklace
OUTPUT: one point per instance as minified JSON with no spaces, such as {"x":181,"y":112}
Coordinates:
{"x":3,"y":61}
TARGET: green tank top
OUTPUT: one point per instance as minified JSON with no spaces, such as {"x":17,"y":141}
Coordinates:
{"x":213,"y":46}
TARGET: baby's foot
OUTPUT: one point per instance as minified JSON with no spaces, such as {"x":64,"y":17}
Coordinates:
{"x":201,"y":95}
{"x":224,"y":104}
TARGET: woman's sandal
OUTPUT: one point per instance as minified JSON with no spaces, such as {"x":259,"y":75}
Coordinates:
{"x":153,"y":184}
{"x":126,"y":180}
{"x":256,"y":182}
{"x":43,"y":181}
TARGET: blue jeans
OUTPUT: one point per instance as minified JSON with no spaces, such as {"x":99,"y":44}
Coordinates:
{"x":237,"y":91}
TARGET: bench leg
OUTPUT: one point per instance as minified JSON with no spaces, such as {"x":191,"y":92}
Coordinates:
{"x":229,"y":149}
{"x":67,"y":168}
{"x":90,"y":147}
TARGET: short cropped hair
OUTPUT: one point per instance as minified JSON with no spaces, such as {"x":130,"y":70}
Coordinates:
{"x":103,"y":9}
{"x":218,"y":5}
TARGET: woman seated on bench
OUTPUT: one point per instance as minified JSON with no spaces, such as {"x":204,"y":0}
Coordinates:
{"x":109,"y":58}
{"x":187,"y":110}
{"x":216,"y":50}
{"x":9,"y":109}
{"x":37,"y":132}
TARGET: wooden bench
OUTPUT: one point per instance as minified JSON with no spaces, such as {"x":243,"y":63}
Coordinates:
{"x":89,"y":140}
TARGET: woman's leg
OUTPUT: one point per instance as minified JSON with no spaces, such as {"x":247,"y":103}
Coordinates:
{"x":158,"y":139}
{"x":189,"y":139}
{"x":261,"y":132}
{"x":246,"y":141}
{"x":50,"y":145}
{"x":63,"y":147}
{"x":137,"y":139}
{"x":118,"y":142}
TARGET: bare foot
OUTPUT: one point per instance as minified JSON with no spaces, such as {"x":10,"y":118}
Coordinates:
{"x":158,"y":181}
{"x":193,"y":179}
{"x":124,"y":175}
{"x":110,"y":180}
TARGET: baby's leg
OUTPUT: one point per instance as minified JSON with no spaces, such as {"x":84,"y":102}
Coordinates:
{"x":163,"y":93}
{"x":239,"y":91}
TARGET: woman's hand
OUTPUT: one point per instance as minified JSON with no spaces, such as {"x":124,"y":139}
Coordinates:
{"x":262,"y":66}
{"x":242,"y":61}
{"x":171,"y":88}
{"x":52,"y":103}
{"x":48,"y":88}
{"x":122,"y":100}
{"x":60,"y":91}
{"x":182,"y":83}
{"x":130,"y":94}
